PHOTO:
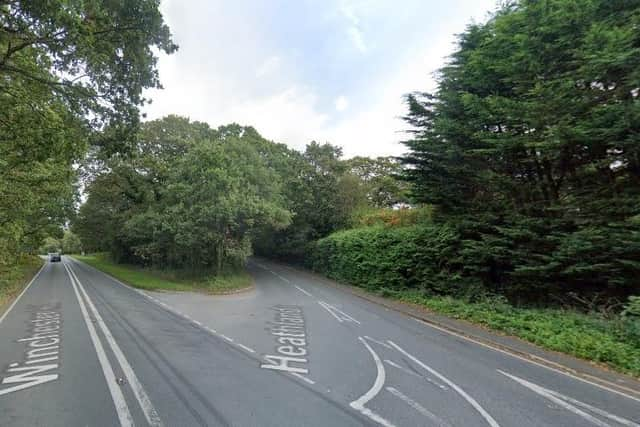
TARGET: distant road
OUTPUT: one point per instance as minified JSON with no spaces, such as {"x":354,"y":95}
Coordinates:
{"x":81,"y":349}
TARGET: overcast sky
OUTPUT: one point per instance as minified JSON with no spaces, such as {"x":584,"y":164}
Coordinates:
{"x":301,"y":70}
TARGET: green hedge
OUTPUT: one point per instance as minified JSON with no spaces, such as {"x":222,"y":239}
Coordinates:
{"x":420,"y":257}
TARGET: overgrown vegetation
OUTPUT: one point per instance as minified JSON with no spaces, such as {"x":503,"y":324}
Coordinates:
{"x":14,"y":277}
{"x":155,"y":279}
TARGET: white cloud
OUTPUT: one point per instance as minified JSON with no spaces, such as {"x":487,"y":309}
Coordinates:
{"x":342,"y":103}
{"x":270,"y":65}
{"x":241,"y":76}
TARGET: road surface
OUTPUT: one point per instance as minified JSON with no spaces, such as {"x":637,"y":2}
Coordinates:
{"x":79,"y":348}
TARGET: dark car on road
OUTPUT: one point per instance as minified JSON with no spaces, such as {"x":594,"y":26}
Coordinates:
{"x":55,"y":257}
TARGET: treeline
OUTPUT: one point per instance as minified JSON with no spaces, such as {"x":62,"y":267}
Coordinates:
{"x":71,"y":77}
{"x":529,"y":151}
{"x":196,"y":198}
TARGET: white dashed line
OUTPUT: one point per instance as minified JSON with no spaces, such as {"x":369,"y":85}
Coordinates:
{"x":303,"y":291}
{"x":533,"y":362}
{"x":418,"y":407}
{"x":225,"y":337}
{"x":358,"y":404}
{"x":244,"y":347}
{"x":303,"y":378}
{"x":488,"y":418}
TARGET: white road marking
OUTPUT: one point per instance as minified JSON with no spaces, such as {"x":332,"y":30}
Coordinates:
{"x":542,"y":365}
{"x":124,"y":416}
{"x":410,"y":372}
{"x":565,"y":402}
{"x":385,"y":345}
{"x":358,"y":404}
{"x":340,"y":315}
{"x":139,"y":392}
{"x":303,"y":291}
{"x":196,"y":322}
{"x":303,"y":378}
{"x":225,"y":337}
{"x":22,"y":293}
{"x":418,"y":407}
{"x":244,"y":347}
{"x":488,"y":418}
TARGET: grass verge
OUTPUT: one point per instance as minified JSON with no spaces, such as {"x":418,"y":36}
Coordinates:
{"x":168,"y":280}
{"x":13,"y":278}
{"x":614,"y":341}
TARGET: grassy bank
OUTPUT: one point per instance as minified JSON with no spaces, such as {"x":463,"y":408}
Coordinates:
{"x":613,"y":341}
{"x":13,"y":278}
{"x":168,"y":280}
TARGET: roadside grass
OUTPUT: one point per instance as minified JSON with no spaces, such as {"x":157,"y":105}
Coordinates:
{"x":613,"y":341}
{"x":169,"y":280}
{"x":13,"y":278}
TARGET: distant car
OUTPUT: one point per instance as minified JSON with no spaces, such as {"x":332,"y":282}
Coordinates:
{"x":55,"y":257}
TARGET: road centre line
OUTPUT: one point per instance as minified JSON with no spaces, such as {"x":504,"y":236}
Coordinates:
{"x":117,"y":396}
{"x":418,"y":407}
{"x":139,"y":392}
{"x":488,"y":418}
{"x":410,"y":372}
{"x":244,"y":347}
{"x":533,"y":362}
{"x":340,"y":315}
{"x":303,"y":291}
{"x":303,"y":378}
{"x":385,"y":345}
{"x":33,"y":279}
{"x":358,"y":404}
{"x":566,"y":402}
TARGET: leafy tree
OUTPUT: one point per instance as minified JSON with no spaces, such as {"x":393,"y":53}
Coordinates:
{"x":71,"y":73}
{"x":381,"y":178}
{"x":530,"y":145}
{"x":71,"y":243}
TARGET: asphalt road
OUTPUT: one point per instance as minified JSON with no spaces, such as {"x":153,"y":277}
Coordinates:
{"x":80,"y":349}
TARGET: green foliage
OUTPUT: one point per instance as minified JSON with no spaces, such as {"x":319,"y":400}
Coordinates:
{"x":530,"y":147}
{"x":50,"y":244}
{"x":591,"y":337}
{"x":14,"y":277}
{"x":167,"y":279}
{"x":192,"y":197}
{"x":68,"y":71}
{"x":71,"y":243}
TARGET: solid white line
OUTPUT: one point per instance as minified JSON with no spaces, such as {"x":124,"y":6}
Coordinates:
{"x":302,"y":377}
{"x":116,"y":393}
{"x":341,"y":315}
{"x":418,"y":407}
{"x":225,"y":337}
{"x":542,"y":365}
{"x":326,"y":307}
{"x":244,"y":347}
{"x":402,"y":368}
{"x":488,"y":418}
{"x":385,"y":345}
{"x":410,"y":372}
{"x":563,"y":401}
{"x":149,"y":411}
{"x":358,"y":404}
{"x":303,"y":291}
{"x":22,"y":293}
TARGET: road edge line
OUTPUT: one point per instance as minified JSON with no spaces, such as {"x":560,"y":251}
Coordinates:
{"x":149,"y":411}
{"x":120,"y":403}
